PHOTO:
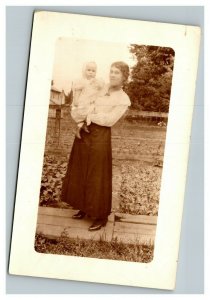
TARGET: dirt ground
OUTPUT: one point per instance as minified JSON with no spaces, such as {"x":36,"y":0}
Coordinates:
{"x":137,"y":167}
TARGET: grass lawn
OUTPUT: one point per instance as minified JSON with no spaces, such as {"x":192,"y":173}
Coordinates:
{"x":95,"y":249}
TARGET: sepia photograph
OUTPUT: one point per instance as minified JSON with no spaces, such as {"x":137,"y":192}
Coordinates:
{"x":104,"y":150}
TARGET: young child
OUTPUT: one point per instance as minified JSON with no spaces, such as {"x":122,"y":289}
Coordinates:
{"x":85,"y":92}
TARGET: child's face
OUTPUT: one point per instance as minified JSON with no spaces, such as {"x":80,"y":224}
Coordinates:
{"x":90,"y":71}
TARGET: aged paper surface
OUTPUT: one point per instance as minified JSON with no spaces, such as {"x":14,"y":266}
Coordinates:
{"x":48,"y":27}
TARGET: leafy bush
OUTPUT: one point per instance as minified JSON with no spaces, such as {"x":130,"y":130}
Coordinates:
{"x":54,"y":170}
{"x":140,"y":189}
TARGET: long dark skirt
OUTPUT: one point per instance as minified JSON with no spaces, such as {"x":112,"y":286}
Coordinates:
{"x":87,"y":185}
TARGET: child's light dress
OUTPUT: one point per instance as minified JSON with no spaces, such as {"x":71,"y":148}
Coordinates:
{"x":85,"y":92}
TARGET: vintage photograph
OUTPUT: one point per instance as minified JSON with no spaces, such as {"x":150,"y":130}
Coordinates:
{"x":104,"y":149}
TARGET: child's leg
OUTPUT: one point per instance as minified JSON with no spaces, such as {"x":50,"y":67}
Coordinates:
{"x":77,"y":133}
{"x":85,"y":128}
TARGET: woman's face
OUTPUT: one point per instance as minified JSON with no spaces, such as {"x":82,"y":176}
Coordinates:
{"x":115,"y":77}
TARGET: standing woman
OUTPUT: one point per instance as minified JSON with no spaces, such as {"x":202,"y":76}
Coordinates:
{"x":87,"y":185}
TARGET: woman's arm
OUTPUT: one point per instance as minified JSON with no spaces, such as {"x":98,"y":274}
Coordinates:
{"x":107,"y":119}
{"x":77,"y":115}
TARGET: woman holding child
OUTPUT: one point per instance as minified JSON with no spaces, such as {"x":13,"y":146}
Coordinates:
{"x":87,"y":185}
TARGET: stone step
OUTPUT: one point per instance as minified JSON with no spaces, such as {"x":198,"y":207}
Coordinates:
{"x":137,"y":219}
{"x":125,"y":228}
{"x":55,"y":222}
{"x":138,"y":229}
{"x":55,"y":231}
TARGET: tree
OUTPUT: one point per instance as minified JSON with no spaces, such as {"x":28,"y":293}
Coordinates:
{"x":69,"y":97}
{"x":149,"y":87}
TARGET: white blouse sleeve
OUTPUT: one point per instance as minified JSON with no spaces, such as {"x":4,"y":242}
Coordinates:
{"x":76,"y":115}
{"x":107,"y":119}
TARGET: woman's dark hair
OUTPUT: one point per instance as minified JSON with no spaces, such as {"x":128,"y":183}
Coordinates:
{"x":123,"y":67}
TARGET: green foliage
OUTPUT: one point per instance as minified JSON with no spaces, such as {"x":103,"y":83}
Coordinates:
{"x":151,"y":77}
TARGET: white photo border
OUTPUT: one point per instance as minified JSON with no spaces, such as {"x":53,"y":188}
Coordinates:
{"x":185,"y":42}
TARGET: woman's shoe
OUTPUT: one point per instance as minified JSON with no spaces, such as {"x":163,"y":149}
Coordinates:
{"x":97,"y":224}
{"x":80,"y":215}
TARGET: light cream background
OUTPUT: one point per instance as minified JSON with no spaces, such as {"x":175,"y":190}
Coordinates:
{"x":72,"y":53}
{"x":161,"y":272}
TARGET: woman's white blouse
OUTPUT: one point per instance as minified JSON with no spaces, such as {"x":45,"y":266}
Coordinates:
{"x":108,"y":108}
